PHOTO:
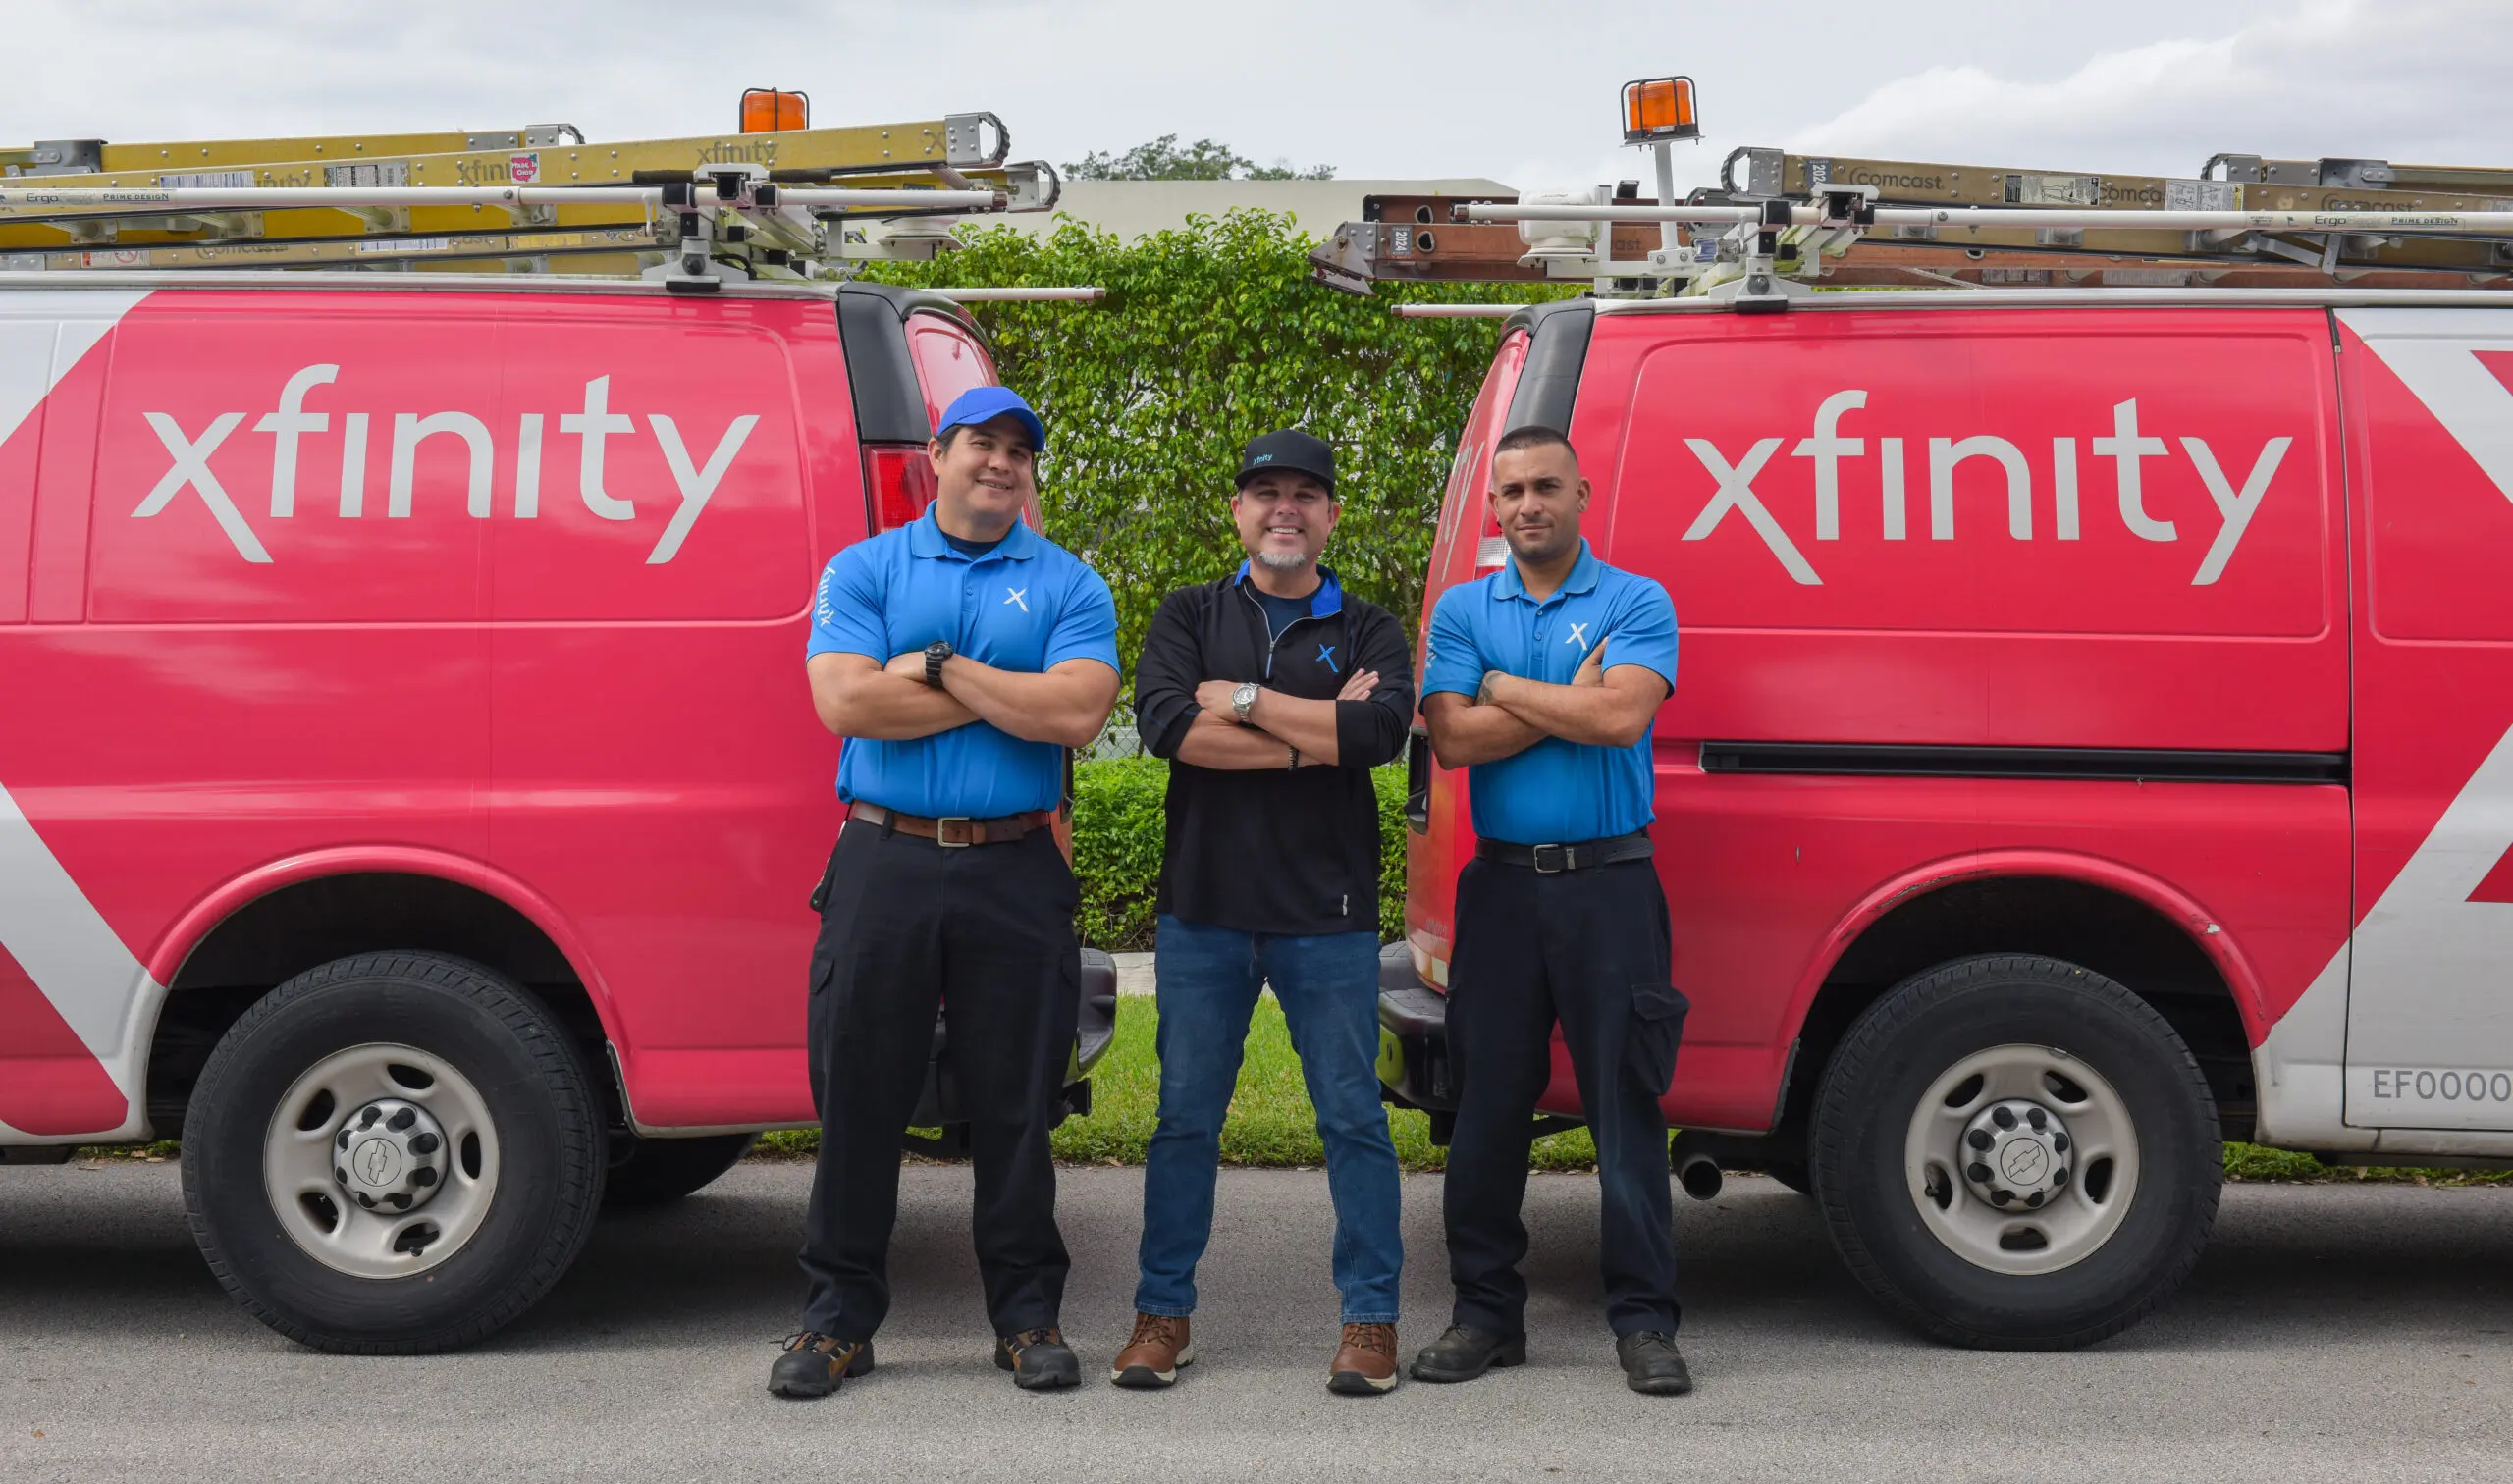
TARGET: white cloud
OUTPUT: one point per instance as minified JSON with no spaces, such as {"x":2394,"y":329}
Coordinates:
{"x":2405,"y":79}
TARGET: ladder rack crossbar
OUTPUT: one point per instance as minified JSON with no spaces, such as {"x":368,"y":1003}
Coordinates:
{"x":74,"y":203}
{"x":2380,"y":223}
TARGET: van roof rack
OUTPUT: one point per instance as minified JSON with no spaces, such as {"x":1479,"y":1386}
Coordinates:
{"x":794,"y":202}
{"x":1778,"y":220}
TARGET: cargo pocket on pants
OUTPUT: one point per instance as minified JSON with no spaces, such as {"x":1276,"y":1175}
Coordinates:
{"x":1657,"y":1027}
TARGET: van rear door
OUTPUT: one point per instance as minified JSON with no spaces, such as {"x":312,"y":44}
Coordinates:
{"x":2430,"y":1009}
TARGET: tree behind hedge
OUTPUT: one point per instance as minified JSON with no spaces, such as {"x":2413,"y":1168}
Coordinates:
{"x":1210,"y":336}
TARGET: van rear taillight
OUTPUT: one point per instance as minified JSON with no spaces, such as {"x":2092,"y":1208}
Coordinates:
{"x":1417,"y":781}
{"x":899,"y":484}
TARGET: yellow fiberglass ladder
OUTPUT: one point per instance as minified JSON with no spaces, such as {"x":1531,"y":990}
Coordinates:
{"x":777,"y":200}
{"x":1778,"y":220}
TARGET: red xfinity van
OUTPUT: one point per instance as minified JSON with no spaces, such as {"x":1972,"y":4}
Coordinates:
{"x":2093,"y":740}
{"x":408,"y":789}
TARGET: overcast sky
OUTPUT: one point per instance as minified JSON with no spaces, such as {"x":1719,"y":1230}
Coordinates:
{"x":1521,"y":90}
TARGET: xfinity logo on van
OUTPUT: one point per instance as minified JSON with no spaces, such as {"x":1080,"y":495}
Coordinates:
{"x":463,"y":436}
{"x":2237,"y":491}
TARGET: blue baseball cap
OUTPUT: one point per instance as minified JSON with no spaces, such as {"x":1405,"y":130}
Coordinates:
{"x":980,"y":404}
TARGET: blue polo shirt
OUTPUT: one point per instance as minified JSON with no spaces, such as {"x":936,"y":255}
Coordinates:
{"x":1028,"y":604}
{"x":1556,"y":792}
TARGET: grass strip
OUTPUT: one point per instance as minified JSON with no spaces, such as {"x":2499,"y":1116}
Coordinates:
{"x":1271,"y":1123}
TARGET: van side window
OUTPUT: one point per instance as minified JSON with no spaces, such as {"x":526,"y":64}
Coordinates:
{"x":1457,"y":549}
{"x":949,"y":361}
{"x":2438,"y":544}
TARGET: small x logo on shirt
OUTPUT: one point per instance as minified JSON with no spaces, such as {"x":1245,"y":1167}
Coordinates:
{"x":1580,"y":636}
{"x":1020,"y":596}
{"x":1326,"y":657}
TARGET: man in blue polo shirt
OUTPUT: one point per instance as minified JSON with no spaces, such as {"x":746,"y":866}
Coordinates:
{"x":1560,"y":917}
{"x":959,"y":656}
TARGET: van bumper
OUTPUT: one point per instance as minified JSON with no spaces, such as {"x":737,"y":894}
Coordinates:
{"x":1413,"y":1035}
{"x":944,"y":1102}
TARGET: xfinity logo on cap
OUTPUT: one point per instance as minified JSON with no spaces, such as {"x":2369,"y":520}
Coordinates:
{"x":462,"y":436}
{"x":2237,"y":491}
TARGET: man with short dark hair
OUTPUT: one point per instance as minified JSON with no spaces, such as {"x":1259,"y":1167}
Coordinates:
{"x":1273,"y":693}
{"x":959,"y":656}
{"x":1559,"y":915}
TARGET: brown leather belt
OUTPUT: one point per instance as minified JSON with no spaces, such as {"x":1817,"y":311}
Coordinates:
{"x":954,"y":831}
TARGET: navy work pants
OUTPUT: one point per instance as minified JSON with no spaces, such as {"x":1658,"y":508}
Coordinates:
{"x":1589,"y":949}
{"x":987,"y":931}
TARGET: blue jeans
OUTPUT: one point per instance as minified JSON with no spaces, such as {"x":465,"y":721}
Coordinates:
{"x":1328,"y":986}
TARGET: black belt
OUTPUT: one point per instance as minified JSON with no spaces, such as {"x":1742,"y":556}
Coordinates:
{"x":1552,"y":860}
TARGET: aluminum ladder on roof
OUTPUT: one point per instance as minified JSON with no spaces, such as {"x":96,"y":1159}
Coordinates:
{"x":787,"y":204}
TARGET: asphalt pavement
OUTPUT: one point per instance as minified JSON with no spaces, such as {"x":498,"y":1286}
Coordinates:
{"x":2342,"y":1333}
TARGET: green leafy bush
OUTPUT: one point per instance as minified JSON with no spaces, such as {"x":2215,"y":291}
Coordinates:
{"x":1118,"y":827}
{"x":1118,"y":832}
{"x":1209,"y":337}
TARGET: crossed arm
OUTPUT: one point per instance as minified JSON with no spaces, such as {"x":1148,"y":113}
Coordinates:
{"x":1601,"y":707}
{"x":1276,"y":724}
{"x":857,"y":696}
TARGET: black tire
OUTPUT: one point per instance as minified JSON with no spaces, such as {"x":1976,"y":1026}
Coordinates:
{"x":548,"y":1129}
{"x":1919,"y":1032}
{"x":659,"y":1171}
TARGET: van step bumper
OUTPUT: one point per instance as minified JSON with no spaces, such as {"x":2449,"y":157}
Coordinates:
{"x":1413,"y":1035}
{"x":944,"y":1104}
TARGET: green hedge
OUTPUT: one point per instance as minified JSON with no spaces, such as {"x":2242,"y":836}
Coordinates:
{"x":1210,"y":336}
{"x":1118,"y":832}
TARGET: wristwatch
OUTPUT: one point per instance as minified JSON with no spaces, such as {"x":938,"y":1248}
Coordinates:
{"x":1295,"y":763}
{"x":1243,"y":701}
{"x":935,"y":653}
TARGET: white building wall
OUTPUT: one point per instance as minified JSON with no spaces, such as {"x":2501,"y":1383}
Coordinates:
{"x":1135,"y":208}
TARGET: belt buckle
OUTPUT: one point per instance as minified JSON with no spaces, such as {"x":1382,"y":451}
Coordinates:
{"x":1561,"y":856}
{"x":943,"y":831}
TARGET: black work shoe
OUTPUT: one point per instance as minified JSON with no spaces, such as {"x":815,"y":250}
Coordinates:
{"x":1652,"y":1365}
{"x":1038,"y":1358}
{"x":1464,"y":1352}
{"x":814,"y":1363}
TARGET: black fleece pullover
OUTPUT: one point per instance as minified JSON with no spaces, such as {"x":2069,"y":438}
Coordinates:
{"x":1274,"y":851}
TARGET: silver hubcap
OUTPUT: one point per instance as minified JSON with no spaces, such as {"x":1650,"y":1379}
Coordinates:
{"x":2021,"y":1159}
{"x":381,"y":1161}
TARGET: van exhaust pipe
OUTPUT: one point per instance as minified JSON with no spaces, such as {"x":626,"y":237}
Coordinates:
{"x":1699,"y":1175}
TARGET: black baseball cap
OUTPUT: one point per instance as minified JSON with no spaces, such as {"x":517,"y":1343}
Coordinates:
{"x":1293,"y":450}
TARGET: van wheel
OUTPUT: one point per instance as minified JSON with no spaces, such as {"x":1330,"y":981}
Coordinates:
{"x":392,"y":1154}
{"x":2017,"y":1154}
{"x":657,"y":1171}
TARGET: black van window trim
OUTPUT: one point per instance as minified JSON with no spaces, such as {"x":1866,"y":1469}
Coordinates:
{"x":2125,"y":764}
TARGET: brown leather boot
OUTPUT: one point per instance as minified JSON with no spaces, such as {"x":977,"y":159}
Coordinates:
{"x":1366,"y":1362}
{"x":1151,"y":1359}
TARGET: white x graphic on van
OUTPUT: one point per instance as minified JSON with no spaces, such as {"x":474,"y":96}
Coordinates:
{"x":192,"y":467}
{"x":1020,"y":596}
{"x":1737,"y":492}
{"x":1580,"y":636}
